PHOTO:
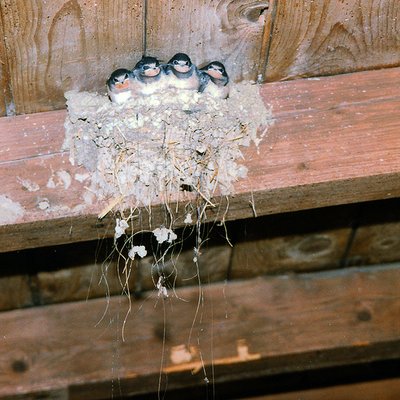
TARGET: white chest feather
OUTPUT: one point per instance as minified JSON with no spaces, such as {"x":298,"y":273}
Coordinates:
{"x":220,"y":92}
{"x":120,"y":97}
{"x":146,"y":89}
{"x":191,"y":83}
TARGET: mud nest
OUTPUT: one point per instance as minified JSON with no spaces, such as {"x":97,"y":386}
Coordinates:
{"x":148,"y":148}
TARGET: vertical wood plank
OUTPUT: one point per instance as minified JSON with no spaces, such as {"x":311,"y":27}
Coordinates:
{"x":59,"y":45}
{"x":269,"y":16}
{"x":225,"y":30}
{"x":4,"y":74}
{"x":313,"y":38}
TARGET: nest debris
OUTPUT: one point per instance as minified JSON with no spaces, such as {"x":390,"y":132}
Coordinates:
{"x":143,"y":150}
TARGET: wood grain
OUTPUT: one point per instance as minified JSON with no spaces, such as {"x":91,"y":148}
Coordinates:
{"x":15,"y":288}
{"x":378,"y":234}
{"x":279,"y":324}
{"x":313,"y":38}
{"x":5,"y":95}
{"x":326,"y":147}
{"x":91,"y":269}
{"x":386,"y":389}
{"x":50,"y":47}
{"x":302,"y":241}
{"x":49,"y":275}
{"x":182,"y":271}
{"x":59,"y":45}
{"x":224,"y":30}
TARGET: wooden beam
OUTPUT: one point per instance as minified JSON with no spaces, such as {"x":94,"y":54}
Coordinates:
{"x":335,"y":141}
{"x":377,"y":238}
{"x":303,"y":241}
{"x":386,"y":389}
{"x":232,"y":331}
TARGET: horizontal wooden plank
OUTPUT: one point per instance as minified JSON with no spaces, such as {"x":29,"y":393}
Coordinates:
{"x":325,"y":148}
{"x":233,"y":330}
{"x":182,"y":271}
{"x":386,"y":389}
{"x":309,"y":240}
{"x":377,"y":238}
{"x":72,"y":272}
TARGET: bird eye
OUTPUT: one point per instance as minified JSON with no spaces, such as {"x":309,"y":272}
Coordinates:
{"x":176,"y":62}
{"x":146,"y":67}
{"x":126,"y":76}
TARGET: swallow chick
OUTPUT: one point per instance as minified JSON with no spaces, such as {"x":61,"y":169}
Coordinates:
{"x":148,"y":77}
{"x":181,"y":73}
{"x":215,"y":80}
{"x":119,"y":85}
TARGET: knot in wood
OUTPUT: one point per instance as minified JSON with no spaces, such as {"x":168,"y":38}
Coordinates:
{"x":364,"y":316}
{"x":19,"y":366}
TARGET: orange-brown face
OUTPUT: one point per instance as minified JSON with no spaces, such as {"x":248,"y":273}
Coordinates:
{"x":152,"y":71}
{"x":182,"y":68}
{"x":215,"y":73}
{"x":122,"y":85}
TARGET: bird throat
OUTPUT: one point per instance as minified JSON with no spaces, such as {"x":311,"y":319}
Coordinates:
{"x":182,"y":75}
{"x":150,"y":79}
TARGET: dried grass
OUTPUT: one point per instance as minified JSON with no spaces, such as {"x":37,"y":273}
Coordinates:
{"x":142,"y":151}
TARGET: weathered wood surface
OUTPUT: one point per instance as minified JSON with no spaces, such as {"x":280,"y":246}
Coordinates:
{"x":58,"y":45}
{"x":90,"y":270}
{"x":49,"y":47}
{"x":386,"y":389}
{"x":242,"y":329}
{"x":71,"y":272}
{"x":229,"y":31}
{"x":328,"y":238}
{"x":4,"y":75}
{"x":180,"y":269}
{"x":52,"y":47}
{"x":15,"y":284}
{"x":376,"y":237}
{"x":302,"y":241}
{"x":334,"y":141}
{"x":312,"y":38}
